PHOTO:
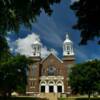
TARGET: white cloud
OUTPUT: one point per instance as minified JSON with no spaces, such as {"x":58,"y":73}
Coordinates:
{"x":23,"y":46}
{"x":49,"y":30}
{"x":72,"y":1}
{"x":45,"y":52}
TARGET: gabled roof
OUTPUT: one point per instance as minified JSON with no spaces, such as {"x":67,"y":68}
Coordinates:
{"x":54,"y":56}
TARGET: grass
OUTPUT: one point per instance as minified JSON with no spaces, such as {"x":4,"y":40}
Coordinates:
{"x":79,"y":98}
{"x":21,"y":98}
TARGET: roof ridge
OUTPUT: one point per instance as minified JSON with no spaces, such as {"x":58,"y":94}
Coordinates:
{"x":53,"y":55}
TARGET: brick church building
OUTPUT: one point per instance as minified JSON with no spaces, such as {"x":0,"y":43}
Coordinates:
{"x":50,"y":74}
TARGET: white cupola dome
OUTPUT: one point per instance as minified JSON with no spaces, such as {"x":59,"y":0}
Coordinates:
{"x":67,"y":40}
{"x":37,"y":47}
{"x":37,"y":41}
{"x":68,"y":47}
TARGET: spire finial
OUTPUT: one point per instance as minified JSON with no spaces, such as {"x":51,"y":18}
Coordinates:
{"x":67,"y":36}
{"x":37,"y":39}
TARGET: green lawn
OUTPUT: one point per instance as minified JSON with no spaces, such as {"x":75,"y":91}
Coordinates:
{"x":21,"y":98}
{"x":77,"y":98}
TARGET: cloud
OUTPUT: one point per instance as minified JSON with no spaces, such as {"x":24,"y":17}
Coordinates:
{"x":72,"y":1}
{"x":49,"y":31}
{"x":45,"y":52}
{"x":23,"y":46}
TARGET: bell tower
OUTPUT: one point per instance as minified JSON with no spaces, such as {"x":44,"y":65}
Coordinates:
{"x":68,"y":47}
{"x":33,"y":73}
{"x":68,"y":58}
{"x":36,"y":48}
{"x":68,"y":52}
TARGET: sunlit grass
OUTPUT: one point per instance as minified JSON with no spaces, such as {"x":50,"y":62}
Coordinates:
{"x":79,"y":98}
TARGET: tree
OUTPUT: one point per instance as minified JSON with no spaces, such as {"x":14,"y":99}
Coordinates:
{"x":13,"y":13}
{"x":13,"y":74}
{"x":87,"y":12}
{"x":4,"y":49}
{"x":85,"y":78}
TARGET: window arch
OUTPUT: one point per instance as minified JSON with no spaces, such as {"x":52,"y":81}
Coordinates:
{"x":43,"y":82}
{"x":59,"y":83}
{"x":51,"y":82}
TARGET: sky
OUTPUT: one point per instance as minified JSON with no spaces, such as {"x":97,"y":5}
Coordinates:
{"x":52,"y":30}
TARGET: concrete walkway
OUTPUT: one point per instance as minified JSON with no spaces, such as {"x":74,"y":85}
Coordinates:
{"x":49,"y":96}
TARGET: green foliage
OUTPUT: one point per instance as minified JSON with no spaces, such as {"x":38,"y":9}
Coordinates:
{"x":87,"y":12}
{"x":4,"y":49}
{"x":85,"y":77}
{"x":13,"y":74}
{"x":13,"y":13}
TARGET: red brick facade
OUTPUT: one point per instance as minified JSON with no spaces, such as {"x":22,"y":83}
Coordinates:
{"x":49,"y":74}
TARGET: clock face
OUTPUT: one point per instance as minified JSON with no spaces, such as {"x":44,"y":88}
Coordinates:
{"x":51,"y":71}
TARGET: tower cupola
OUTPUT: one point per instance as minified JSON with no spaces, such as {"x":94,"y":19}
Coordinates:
{"x":37,"y":48}
{"x":68,"y":47}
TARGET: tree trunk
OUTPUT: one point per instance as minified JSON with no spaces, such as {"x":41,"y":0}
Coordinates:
{"x":89,"y":94}
{"x":9,"y":94}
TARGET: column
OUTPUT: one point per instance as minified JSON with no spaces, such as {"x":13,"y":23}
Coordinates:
{"x":55,"y":88}
{"x":46,"y":88}
{"x":62,"y":88}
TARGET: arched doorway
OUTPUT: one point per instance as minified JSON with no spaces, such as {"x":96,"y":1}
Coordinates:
{"x":60,"y":86}
{"x":42,"y":86}
{"x":51,"y":86}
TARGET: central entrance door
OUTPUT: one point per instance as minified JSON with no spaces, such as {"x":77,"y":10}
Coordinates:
{"x":51,"y":88}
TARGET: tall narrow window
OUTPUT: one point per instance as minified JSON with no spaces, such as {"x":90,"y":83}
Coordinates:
{"x":33,"y":70}
{"x":43,"y":71}
{"x":68,"y":47}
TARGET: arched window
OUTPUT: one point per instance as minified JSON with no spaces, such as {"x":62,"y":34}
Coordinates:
{"x":52,"y":71}
{"x":68,"y":48}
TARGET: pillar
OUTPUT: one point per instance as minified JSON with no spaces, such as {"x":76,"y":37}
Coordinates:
{"x":55,"y":88}
{"x":46,"y":88}
{"x":62,"y":88}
